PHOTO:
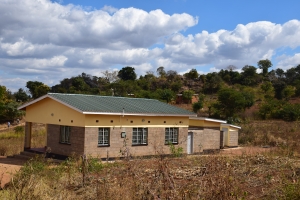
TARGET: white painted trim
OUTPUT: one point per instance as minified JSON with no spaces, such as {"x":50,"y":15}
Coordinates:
{"x":208,"y":119}
{"x":230,"y":125}
{"x":32,"y":102}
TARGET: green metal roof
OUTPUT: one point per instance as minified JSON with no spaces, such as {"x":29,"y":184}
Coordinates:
{"x":93,"y":104}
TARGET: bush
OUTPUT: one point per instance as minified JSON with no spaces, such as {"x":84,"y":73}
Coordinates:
{"x":176,"y":152}
{"x":19,"y":129}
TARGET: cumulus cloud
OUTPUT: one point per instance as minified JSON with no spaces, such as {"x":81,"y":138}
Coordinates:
{"x":287,"y":62}
{"x":46,"y":41}
{"x":44,"y":22}
{"x":246,"y":44}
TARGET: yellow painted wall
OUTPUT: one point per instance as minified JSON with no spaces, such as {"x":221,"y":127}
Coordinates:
{"x":203,"y":123}
{"x":48,"y":111}
{"x":140,"y":121}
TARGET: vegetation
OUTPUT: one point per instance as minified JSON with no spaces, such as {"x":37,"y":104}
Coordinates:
{"x":228,"y":94}
{"x":273,"y":174}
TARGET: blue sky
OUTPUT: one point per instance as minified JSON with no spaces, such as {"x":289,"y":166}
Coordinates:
{"x":50,"y":40}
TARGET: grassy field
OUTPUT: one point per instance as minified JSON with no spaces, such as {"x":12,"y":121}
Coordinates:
{"x":12,"y":140}
{"x":270,"y":175}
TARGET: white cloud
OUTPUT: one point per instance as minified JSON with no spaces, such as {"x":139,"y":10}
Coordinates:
{"x":287,"y":62}
{"x":45,"y":41}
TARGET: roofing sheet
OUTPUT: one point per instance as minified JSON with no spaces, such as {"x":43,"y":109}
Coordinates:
{"x":111,"y":104}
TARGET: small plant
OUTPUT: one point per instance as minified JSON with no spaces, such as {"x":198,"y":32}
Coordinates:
{"x":176,"y":152}
{"x":19,"y":129}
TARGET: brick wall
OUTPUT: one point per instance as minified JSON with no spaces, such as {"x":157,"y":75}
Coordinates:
{"x":205,"y":139}
{"x":233,"y":139}
{"x":156,"y":143}
{"x":76,"y":140}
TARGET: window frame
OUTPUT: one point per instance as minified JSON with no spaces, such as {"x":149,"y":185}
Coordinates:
{"x":169,"y":135}
{"x":140,"y":135}
{"x":64,"y":134}
{"x":103,"y":144}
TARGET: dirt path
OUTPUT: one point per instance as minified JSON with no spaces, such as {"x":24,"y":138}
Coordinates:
{"x":8,"y":167}
{"x":4,"y":128}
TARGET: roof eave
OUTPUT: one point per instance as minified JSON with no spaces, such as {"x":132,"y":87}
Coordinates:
{"x":137,"y":114}
{"x":208,"y":119}
{"x":230,"y":125}
{"x":22,"y":107}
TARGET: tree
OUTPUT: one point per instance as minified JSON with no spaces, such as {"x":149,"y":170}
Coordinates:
{"x":264,"y":65}
{"x":231,"y":102}
{"x":37,"y":89}
{"x":111,"y":77}
{"x":161,"y":71}
{"x":127,"y":73}
{"x":171,"y":75}
{"x":167,"y":95}
{"x":279,"y":72}
{"x":21,"y":96}
{"x":199,"y":104}
{"x":192,"y":74}
{"x":187,"y":95}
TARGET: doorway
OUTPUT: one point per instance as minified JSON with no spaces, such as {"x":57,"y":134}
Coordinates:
{"x":190,"y":143}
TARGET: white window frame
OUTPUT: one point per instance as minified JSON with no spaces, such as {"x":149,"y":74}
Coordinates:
{"x":171,"y":135}
{"x":139,"y":136}
{"x":103,"y":136}
{"x":64,"y":136}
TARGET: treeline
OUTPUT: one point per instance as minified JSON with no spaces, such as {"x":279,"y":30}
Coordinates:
{"x":225,"y":94}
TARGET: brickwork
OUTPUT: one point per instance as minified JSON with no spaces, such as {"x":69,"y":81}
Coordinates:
{"x":211,"y":139}
{"x":76,"y":140}
{"x":198,"y":141}
{"x":205,"y":139}
{"x":156,"y":143}
{"x":233,"y":139}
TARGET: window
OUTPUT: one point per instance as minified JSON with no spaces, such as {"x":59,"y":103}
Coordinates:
{"x":139,"y":136}
{"x":64,"y":134}
{"x":103,"y":137}
{"x":171,"y":135}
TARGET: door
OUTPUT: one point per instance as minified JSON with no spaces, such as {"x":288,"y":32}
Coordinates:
{"x":190,"y":143}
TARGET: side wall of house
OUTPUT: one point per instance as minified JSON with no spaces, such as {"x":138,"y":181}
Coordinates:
{"x":205,"y":139}
{"x":233,"y":138}
{"x":76,"y":140}
{"x":118,"y":145}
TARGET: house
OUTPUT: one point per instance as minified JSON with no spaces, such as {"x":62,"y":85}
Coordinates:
{"x":106,"y":126}
{"x":230,"y":135}
{"x":205,"y":133}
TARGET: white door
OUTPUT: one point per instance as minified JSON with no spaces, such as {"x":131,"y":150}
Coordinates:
{"x":190,"y":143}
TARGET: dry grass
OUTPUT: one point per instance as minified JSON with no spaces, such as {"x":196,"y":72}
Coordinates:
{"x":262,"y":176}
{"x":12,"y":141}
{"x":274,"y":174}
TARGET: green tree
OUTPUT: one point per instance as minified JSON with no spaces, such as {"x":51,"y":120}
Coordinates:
{"x":199,"y":104}
{"x":279,"y":72}
{"x":127,"y":73}
{"x":161,"y":71}
{"x":288,"y":92}
{"x":21,"y":96}
{"x":187,"y":95}
{"x":192,"y":74}
{"x":167,"y":95}
{"x":264,"y":65}
{"x":231,"y":102}
{"x":37,"y":89}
